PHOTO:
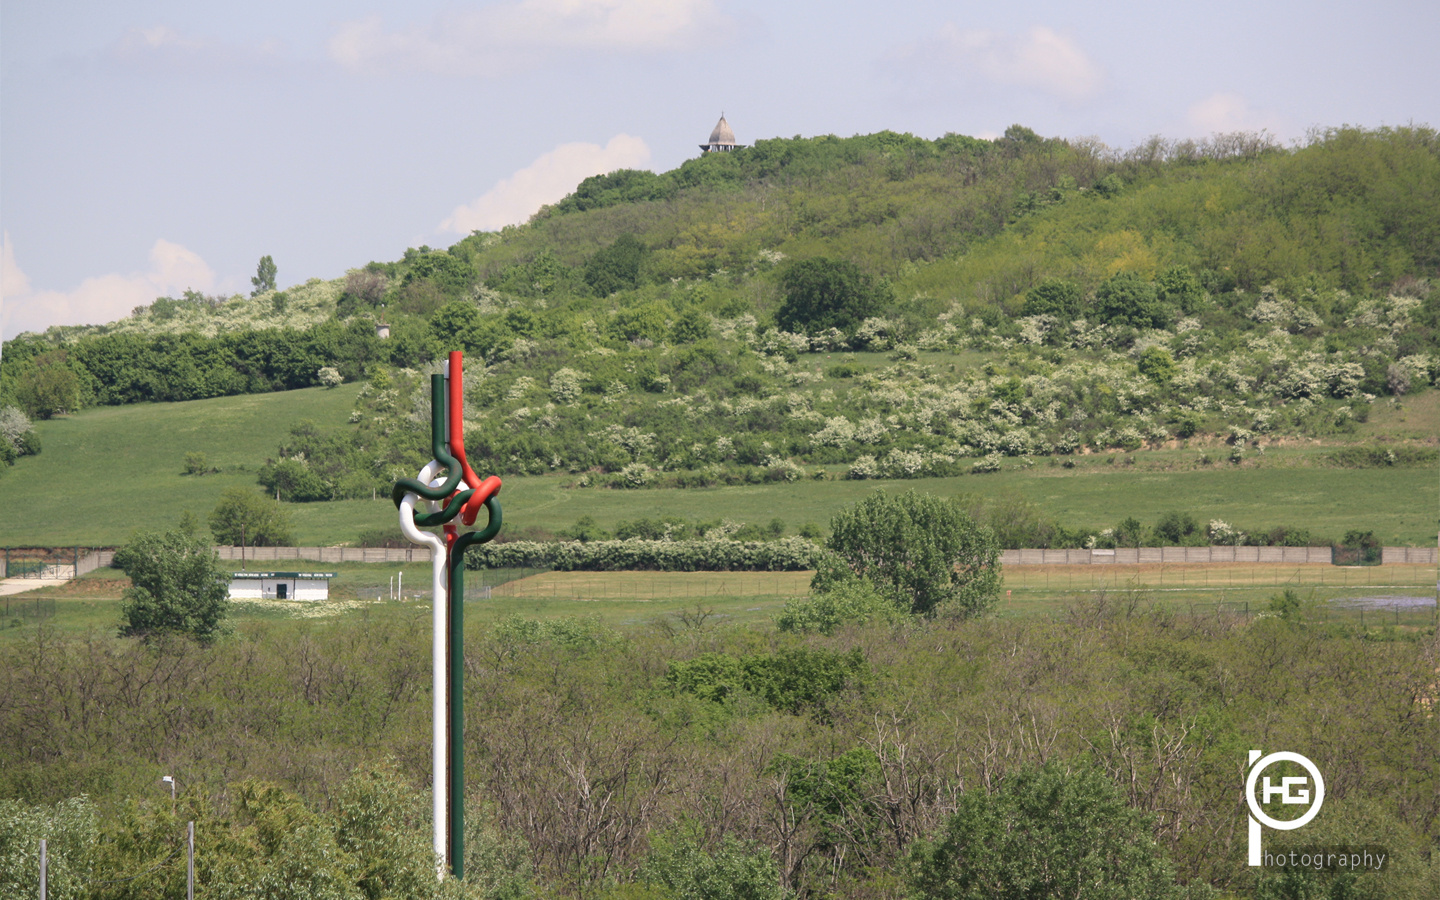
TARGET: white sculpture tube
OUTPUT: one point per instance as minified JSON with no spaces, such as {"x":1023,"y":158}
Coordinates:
{"x":439,"y":671}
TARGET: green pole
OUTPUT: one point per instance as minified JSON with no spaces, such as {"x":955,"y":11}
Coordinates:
{"x":439,"y":447}
{"x":456,"y":562}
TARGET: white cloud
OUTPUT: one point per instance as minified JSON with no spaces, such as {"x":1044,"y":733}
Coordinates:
{"x":1040,"y":58}
{"x":548,"y":179}
{"x":498,"y":38}
{"x":1228,"y":112}
{"x":102,"y":298}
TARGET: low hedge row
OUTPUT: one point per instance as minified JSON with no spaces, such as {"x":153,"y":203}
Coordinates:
{"x":785,"y":555}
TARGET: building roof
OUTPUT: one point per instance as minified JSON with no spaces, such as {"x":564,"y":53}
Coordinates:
{"x":722,"y":133}
{"x":314,"y":575}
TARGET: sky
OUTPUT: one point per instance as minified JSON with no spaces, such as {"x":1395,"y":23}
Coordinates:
{"x":147,"y":148}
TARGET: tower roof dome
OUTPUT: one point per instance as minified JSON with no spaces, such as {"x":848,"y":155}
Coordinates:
{"x":722,"y":133}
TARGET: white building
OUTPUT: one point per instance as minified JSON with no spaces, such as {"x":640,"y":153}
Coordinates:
{"x":280,"y":585}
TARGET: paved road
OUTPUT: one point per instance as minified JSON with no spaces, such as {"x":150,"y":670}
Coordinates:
{"x":21,"y":585}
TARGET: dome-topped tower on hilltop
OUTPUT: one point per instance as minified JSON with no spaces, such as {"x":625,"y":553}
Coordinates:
{"x":722,"y":139}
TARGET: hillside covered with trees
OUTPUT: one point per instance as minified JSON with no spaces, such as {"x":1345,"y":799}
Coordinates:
{"x":877,"y":306}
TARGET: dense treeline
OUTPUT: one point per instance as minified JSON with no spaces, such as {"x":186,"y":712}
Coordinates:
{"x":830,"y":763}
{"x":112,"y":369}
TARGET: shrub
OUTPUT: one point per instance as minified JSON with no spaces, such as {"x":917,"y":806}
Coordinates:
{"x":687,"y":866}
{"x":1175,"y":527}
{"x":17,"y":431}
{"x":71,"y":831}
{"x":991,"y":462}
{"x":791,"y":681}
{"x":1044,"y":833}
{"x":1128,"y":299}
{"x":196,"y":463}
{"x":854,"y":601}
{"x":1055,"y":297}
{"x":1158,"y":365}
{"x":784,"y":555}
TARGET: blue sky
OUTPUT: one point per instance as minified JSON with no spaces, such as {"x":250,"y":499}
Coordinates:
{"x":150,"y":147}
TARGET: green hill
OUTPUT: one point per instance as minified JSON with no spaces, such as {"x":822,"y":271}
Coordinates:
{"x":949,"y":308}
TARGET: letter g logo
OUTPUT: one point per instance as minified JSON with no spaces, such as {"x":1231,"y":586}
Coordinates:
{"x":1290,"y":791}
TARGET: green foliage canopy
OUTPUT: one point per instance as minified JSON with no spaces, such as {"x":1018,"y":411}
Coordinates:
{"x":1128,"y":299}
{"x":686,"y":866}
{"x":264,"y":279}
{"x":177,"y":586}
{"x":823,"y":293}
{"x":924,"y":552}
{"x":255,"y":519}
{"x":49,"y":387}
{"x":1045,"y":833}
{"x":617,"y":266}
{"x":1055,"y":297}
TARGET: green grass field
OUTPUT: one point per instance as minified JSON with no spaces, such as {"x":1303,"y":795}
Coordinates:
{"x":1398,"y":504}
{"x":92,"y":603}
{"x":106,"y":472}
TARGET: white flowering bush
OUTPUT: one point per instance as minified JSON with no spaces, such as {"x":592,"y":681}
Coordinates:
{"x":329,"y":376}
{"x":785,"y":470}
{"x":838,"y":432}
{"x":904,"y":464}
{"x":1224,"y":534}
{"x":873,"y":334}
{"x":636,"y":475}
{"x":992,"y":462}
{"x":863,"y":467}
{"x":871,"y":431}
{"x":566,"y":385}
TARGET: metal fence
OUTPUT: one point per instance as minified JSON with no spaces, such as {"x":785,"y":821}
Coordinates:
{"x":41,"y":562}
{"x":18,"y":609}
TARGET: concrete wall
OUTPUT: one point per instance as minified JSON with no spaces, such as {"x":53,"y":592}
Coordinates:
{"x":1422,"y":555}
{"x":1123,"y":556}
{"x":1142,"y":555}
{"x":327,"y":554}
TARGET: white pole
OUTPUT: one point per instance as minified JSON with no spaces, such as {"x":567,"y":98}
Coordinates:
{"x":439,"y":670}
{"x":190,"y":867}
{"x":43,"y":860}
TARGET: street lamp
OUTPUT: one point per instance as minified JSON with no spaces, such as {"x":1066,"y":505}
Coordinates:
{"x":170,"y":780}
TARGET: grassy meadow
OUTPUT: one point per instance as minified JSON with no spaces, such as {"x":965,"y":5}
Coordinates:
{"x":91,"y":604}
{"x":108,"y":471}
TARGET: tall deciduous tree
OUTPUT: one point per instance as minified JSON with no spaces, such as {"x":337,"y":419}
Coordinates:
{"x":177,"y":586}
{"x":825,"y":293}
{"x":264,"y":279}
{"x":50,"y":388}
{"x":1055,"y":297}
{"x":253,"y":518}
{"x":1128,"y":299}
{"x":924,"y":552}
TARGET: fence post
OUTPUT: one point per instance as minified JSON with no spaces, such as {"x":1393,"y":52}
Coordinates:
{"x":190,"y":866}
{"x":43,"y":861}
